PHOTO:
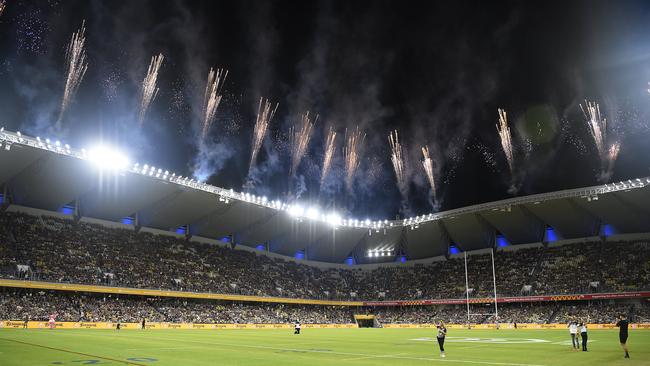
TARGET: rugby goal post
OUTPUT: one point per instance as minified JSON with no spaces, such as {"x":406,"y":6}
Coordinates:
{"x":494,"y":288}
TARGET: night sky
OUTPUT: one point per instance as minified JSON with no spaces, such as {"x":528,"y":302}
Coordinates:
{"x":436,"y":71}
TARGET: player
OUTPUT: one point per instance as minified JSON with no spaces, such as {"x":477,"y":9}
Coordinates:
{"x":297,"y":327}
{"x":117,"y":326}
{"x":26,"y":321}
{"x":583,"y":335}
{"x":573,"y":330}
{"x":52,"y":322}
{"x":515,"y":324}
{"x":144,"y":323}
{"x":622,"y":333}
{"x":442,"y":332}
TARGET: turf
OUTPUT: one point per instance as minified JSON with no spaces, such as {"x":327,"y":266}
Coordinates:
{"x":314,"y":347}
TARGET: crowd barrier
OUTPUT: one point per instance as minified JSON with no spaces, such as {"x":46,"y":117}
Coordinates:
{"x":108,"y":325}
{"x":519,"y":326}
{"x":152,"y":325}
{"x":166,"y":293}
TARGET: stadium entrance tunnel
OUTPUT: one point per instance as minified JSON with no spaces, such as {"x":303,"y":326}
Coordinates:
{"x":366,"y":321}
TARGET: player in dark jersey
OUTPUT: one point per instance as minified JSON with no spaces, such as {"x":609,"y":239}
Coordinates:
{"x":442,"y":333}
{"x":144,"y":323}
{"x":622,"y":333}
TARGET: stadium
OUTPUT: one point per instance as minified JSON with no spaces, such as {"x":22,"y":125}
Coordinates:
{"x":330,"y":196}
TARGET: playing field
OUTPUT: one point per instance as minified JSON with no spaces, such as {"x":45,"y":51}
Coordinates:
{"x":314,"y":347}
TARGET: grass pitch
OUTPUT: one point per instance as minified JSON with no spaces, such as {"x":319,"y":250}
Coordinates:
{"x":315,"y":347}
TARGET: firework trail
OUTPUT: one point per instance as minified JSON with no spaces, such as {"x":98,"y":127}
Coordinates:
{"x":427,"y":163}
{"x":299,"y":139}
{"x":598,"y":130}
{"x":506,"y":138}
{"x":3,"y":5}
{"x":76,"y":66}
{"x":212,"y":98}
{"x":352,"y":154}
{"x":397,"y":159}
{"x":329,"y":153}
{"x":264,"y":117}
{"x":149,"y":89}
{"x":597,"y":126}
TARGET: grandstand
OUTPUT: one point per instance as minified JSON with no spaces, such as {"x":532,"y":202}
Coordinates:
{"x":100,"y":247}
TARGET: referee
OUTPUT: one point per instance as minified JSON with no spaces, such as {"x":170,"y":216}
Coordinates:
{"x":622,"y":333}
{"x":442,"y":332}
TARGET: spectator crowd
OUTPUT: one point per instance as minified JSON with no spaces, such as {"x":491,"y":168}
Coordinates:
{"x":20,"y":304}
{"x":58,"y":250}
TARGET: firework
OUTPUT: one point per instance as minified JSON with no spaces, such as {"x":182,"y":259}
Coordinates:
{"x":3,"y":5}
{"x":427,"y":163}
{"x":329,"y":153}
{"x":299,"y":139}
{"x":76,"y":67}
{"x":352,"y":154}
{"x":506,"y":138}
{"x":397,"y":159}
{"x":149,"y":89}
{"x":212,"y":98}
{"x":598,"y":130}
{"x":264,"y":117}
{"x":597,"y":127}
{"x":612,"y":154}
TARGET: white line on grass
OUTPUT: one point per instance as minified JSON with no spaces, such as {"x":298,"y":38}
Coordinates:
{"x":348,"y":353}
{"x":378,"y":356}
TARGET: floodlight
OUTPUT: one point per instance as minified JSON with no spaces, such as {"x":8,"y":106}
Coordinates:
{"x":296,"y":210}
{"x":107,"y":158}
{"x":312,"y":213}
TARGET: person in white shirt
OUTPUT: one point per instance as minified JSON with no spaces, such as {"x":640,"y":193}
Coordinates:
{"x":297,"y":328}
{"x":583,"y":334}
{"x":573,"y":330}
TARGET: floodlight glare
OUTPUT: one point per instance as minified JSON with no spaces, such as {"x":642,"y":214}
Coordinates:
{"x":312,"y":213}
{"x":333,"y":219}
{"x":295,"y":210}
{"x":106,"y":158}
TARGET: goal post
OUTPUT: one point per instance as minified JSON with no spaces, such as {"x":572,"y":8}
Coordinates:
{"x":494,"y":289}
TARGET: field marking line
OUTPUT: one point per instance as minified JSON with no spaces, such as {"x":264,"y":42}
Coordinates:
{"x":367,"y":357}
{"x":73,"y":352}
{"x":162,"y":348}
{"x":349,"y":353}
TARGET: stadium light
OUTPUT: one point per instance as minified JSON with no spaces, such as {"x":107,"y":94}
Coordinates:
{"x":107,"y":158}
{"x":333,"y":219}
{"x":296,"y":210}
{"x":312,"y":213}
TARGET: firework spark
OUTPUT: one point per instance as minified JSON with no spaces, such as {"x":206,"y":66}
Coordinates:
{"x":506,"y":138}
{"x":212,"y":98}
{"x":264,"y":117}
{"x":598,"y":130}
{"x":352,"y":153}
{"x":76,"y":68}
{"x":597,"y":127}
{"x":427,"y":163}
{"x":329,"y":153}
{"x":149,"y":89}
{"x":3,"y":5}
{"x":299,"y":139}
{"x":397,"y":159}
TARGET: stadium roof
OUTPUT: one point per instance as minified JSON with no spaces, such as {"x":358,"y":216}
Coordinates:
{"x":44,"y":175}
